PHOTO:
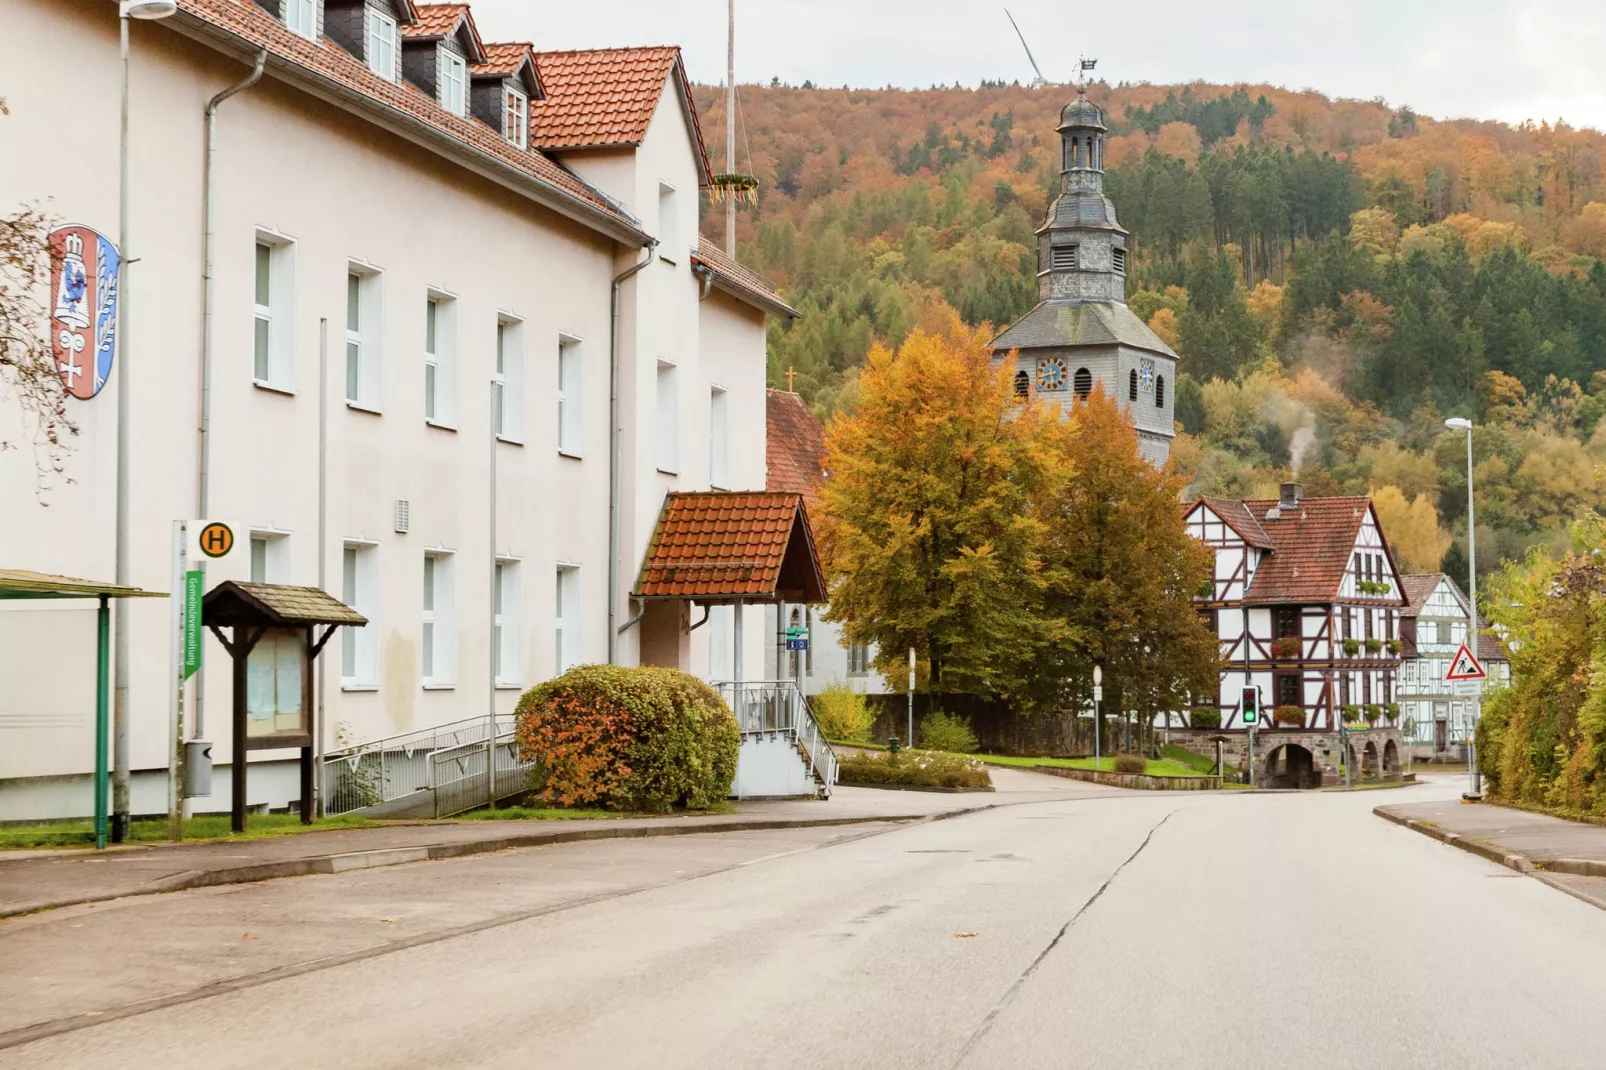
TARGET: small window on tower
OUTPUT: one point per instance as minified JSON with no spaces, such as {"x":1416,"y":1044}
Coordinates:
{"x":1120,"y":260}
{"x":1023,"y":385}
{"x":1159,"y":391}
{"x":1064,"y":258}
{"x":1132,"y":385}
{"x":1083,"y":382}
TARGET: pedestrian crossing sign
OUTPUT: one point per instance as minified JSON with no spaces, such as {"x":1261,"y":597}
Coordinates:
{"x":1464,"y":666}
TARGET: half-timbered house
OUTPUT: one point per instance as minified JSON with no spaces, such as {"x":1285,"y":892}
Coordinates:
{"x":1306,"y":600}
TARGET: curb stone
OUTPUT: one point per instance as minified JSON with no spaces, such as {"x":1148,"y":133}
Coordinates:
{"x":1541,"y":871}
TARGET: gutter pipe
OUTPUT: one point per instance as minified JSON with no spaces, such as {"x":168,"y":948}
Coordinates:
{"x":203,"y":496}
{"x":615,"y":432}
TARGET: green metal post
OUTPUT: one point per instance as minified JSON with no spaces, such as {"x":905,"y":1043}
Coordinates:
{"x":102,"y":721}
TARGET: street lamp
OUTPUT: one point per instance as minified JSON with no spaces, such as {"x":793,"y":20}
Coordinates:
{"x":1475,"y":778}
{"x":146,"y":10}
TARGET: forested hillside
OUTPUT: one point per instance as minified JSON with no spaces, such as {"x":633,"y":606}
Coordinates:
{"x":1338,"y":276}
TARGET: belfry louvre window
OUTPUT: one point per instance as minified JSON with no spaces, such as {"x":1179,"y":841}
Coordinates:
{"x":1132,"y":385}
{"x":1118,"y":257}
{"x":1064,"y":258}
{"x":1023,"y":385}
{"x":1082,"y":382}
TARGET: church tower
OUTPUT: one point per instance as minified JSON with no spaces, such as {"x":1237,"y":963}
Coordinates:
{"x":1081,"y":333}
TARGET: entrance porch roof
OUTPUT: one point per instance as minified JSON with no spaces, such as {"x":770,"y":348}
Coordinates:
{"x":732,"y":546}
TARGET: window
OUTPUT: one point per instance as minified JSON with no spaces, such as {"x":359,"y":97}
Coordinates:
{"x":516,"y":118}
{"x":453,"y":82}
{"x":362,"y":338}
{"x":438,"y":647}
{"x":1118,"y":258}
{"x":1083,"y":382}
{"x":566,"y":611}
{"x":1287,"y":622}
{"x":668,"y":223}
{"x":1132,"y":385}
{"x":858,"y":659}
{"x":507,"y":395}
{"x":1063,"y":258}
{"x":1159,"y":391}
{"x":359,"y":589}
{"x":505,"y":624}
{"x":302,"y":17}
{"x":569,"y":376}
{"x":440,"y":360}
{"x":1442,"y":632}
{"x":273,"y":286}
{"x":718,"y":438}
{"x":1023,"y":385}
{"x":668,"y":419}
{"x":270,"y":557}
{"x":382,"y":44}
{"x":1288,"y":691}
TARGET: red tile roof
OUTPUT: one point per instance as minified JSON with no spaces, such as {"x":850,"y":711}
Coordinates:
{"x":740,"y":281}
{"x":794,"y":446}
{"x":1313,"y":542}
{"x":505,"y":57}
{"x":442,"y":20}
{"x":728,"y":545}
{"x":1419,"y":588}
{"x":604,"y":98}
{"x":332,"y":65}
{"x":1239,"y":519}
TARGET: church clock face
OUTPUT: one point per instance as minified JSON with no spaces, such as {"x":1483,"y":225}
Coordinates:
{"x":1051,"y":374}
{"x":1146,"y":374}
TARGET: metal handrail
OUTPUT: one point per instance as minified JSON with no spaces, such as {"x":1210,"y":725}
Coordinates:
{"x":779,"y":707}
{"x":381,"y":770}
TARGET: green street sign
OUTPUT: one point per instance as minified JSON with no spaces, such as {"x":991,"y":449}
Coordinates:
{"x":192,"y":622}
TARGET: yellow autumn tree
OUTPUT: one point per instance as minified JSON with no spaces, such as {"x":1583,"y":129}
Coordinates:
{"x":1412,"y":528}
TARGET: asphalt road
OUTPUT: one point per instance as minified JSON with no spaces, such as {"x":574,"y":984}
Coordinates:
{"x":1134,"y":930}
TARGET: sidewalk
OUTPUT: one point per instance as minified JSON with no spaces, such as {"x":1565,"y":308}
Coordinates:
{"x":48,"y":880}
{"x":1567,"y":855}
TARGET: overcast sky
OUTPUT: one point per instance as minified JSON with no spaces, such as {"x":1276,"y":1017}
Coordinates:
{"x":1491,"y":59}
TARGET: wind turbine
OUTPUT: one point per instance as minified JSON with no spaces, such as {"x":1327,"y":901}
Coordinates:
{"x":1039,"y":82}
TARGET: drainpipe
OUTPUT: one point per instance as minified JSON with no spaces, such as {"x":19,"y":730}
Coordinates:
{"x":203,"y":495}
{"x":706,"y":274}
{"x":614,"y":434}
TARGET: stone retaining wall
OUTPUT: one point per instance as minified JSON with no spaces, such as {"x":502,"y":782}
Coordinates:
{"x":1134,"y":780}
{"x":1276,"y":765}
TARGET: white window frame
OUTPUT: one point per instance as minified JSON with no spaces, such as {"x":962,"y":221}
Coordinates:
{"x":571,"y":380}
{"x":566,"y":604}
{"x":270,"y":555}
{"x":437,"y":649}
{"x":452,"y":81}
{"x":668,"y":224}
{"x":276,"y":358}
{"x":359,"y":589}
{"x":363,"y":340}
{"x":301,"y":16}
{"x":507,"y":373}
{"x":507,"y":618}
{"x":515,"y":116}
{"x":440,"y":361}
{"x":383,"y":44}
{"x":668,"y":417}
{"x":718,"y":438}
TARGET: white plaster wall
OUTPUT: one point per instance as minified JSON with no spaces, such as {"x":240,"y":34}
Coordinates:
{"x":343,"y":190}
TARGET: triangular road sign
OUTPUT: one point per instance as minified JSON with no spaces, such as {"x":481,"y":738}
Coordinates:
{"x":1465,"y":666}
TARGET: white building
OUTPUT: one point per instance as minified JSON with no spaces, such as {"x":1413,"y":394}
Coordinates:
{"x":450,"y":255}
{"x":1441,"y":712}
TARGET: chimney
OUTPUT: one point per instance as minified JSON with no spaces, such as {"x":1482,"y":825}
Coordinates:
{"x":1289,"y":495}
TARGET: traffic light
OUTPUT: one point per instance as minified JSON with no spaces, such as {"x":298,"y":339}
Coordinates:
{"x":1251,"y":705}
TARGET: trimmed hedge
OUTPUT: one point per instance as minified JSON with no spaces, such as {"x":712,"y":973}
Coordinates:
{"x":639,"y":739}
{"x":1204,"y":717}
{"x":1131,"y":763}
{"x":949,"y":732}
{"x":914,"y":769}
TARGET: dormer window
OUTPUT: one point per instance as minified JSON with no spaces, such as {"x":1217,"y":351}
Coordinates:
{"x":302,"y":17}
{"x":453,"y":82}
{"x":382,"y":44}
{"x":516,"y":118}
{"x":1063,"y":258}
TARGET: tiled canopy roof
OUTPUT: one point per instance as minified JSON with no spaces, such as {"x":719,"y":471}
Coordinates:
{"x":721,"y":546}
{"x":344,"y":74}
{"x":604,"y":98}
{"x":232,"y":602}
{"x":1313,"y":543}
{"x":794,"y":446}
{"x":740,"y":281}
{"x":1240,"y":519}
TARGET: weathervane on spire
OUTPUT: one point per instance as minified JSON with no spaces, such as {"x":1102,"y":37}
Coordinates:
{"x":1085,"y":66}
